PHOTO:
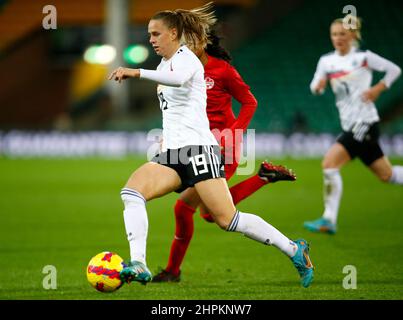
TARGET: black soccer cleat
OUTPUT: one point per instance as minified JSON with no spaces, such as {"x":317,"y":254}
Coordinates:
{"x":272,"y":173}
{"x":166,"y":276}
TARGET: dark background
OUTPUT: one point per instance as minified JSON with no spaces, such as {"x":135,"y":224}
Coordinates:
{"x":47,"y":85}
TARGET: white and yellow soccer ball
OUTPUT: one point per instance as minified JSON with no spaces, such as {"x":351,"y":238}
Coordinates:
{"x":103,"y":271}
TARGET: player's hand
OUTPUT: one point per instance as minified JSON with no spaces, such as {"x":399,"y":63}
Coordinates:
{"x":320,"y":88}
{"x":373,"y":93}
{"x":121,"y":73}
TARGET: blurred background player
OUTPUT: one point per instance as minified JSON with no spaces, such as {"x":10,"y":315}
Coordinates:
{"x":182,"y":94}
{"x":349,"y":71}
{"x":223,"y":83}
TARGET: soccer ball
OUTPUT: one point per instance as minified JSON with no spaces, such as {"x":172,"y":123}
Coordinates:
{"x":103,"y":271}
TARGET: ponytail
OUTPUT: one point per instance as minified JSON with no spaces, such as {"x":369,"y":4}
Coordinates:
{"x":192,"y":25}
{"x":215,"y":49}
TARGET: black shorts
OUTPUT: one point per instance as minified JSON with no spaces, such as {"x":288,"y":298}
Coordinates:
{"x":193,"y":164}
{"x":368,"y":150}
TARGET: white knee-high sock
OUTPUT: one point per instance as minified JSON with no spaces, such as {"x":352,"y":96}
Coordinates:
{"x":333,"y":189}
{"x":136,"y":223}
{"x":397,"y":175}
{"x":254,"y":227}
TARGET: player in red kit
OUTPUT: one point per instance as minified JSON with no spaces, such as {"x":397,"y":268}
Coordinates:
{"x":223,"y":83}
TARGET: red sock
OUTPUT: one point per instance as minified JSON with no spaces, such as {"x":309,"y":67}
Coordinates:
{"x":245,"y":188}
{"x":183,"y":235}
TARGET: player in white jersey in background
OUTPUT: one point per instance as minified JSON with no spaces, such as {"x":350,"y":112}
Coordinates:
{"x":190,"y":154}
{"x":349,"y":71}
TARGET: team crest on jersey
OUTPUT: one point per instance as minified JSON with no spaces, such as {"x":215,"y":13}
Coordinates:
{"x":209,"y":83}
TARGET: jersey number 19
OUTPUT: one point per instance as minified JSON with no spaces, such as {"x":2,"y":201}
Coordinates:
{"x":198,"y":161}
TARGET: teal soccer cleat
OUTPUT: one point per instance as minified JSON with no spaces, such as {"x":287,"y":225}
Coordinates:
{"x":303,"y":263}
{"x":136,"y":271}
{"x":321,"y":225}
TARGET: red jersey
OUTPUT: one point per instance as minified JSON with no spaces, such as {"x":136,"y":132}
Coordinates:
{"x":224,"y":82}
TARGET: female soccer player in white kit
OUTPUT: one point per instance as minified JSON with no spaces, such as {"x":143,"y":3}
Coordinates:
{"x":190,"y":154}
{"x":349,"y":71}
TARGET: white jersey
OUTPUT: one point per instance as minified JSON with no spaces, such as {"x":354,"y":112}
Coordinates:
{"x":182,"y":94}
{"x":350,"y":76}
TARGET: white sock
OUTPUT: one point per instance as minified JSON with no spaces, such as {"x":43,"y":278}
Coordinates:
{"x":333,"y":188}
{"x":136,"y":223}
{"x":397,"y":175}
{"x":257,"y":229}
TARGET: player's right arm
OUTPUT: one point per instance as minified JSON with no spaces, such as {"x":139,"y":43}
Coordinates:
{"x":319,"y":81}
{"x":181,"y":72}
{"x":175,"y":78}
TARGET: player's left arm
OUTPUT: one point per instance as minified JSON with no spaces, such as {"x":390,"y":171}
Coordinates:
{"x":392,"y":72}
{"x":238,"y":89}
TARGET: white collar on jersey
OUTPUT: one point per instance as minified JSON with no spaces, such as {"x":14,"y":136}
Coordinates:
{"x":179,"y":50}
{"x":352,"y":50}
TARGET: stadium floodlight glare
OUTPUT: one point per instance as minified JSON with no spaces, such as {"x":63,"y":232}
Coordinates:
{"x":100,"y":54}
{"x":135,"y":54}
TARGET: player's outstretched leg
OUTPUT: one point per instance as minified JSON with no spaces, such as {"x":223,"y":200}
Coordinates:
{"x":214,"y":193}
{"x":256,"y":228}
{"x":268,"y":173}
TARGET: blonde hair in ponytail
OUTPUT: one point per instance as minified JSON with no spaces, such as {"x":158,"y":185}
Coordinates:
{"x":192,"y":25}
{"x":353,"y":25}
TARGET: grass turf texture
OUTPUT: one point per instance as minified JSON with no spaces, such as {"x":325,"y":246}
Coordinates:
{"x":63,"y":212}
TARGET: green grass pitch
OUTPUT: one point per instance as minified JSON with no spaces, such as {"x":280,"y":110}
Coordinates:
{"x":63,"y":212}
